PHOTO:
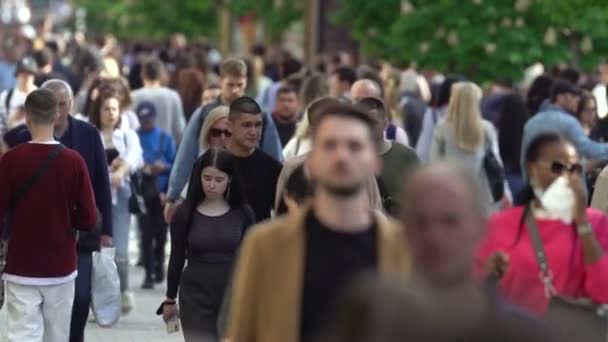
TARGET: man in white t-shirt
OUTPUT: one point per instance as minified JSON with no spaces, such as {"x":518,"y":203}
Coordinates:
{"x":12,"y":100}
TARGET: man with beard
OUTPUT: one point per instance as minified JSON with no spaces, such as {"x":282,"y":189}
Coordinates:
{"x":290,"y":270}
{"x":287,"y":113}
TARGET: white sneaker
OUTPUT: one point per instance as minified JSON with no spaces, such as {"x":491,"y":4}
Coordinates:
{"x":127,"y":302}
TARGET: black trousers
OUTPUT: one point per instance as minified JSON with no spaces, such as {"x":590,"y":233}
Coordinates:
{"x":153,"y":237}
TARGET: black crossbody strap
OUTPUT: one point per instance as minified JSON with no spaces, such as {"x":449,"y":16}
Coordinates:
{"x":546,"y":276}
{"x":44,"y":166}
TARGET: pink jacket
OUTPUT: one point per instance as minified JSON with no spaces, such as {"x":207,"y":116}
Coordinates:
{"x":521,"y":284}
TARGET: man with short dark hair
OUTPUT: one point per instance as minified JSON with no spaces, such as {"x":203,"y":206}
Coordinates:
{"x":85,"y":139}
{"x":397,"y":160}
{"x":233,"y":80}
{"x":291,"y":269}
{"x":341,"y":80}
{"x":46,"y":192}
{"x":168,"y":103}
{"x":257,"y":170}
{"x":286,"y":113}
{"x":44,"y":60}
{"x":559,"y":118}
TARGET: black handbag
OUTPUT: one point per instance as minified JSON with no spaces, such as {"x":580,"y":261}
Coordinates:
{"x":575,"y":319}
{"x":495,"y":172}
{"x":6,"y":221}
{"x":144,"y":187}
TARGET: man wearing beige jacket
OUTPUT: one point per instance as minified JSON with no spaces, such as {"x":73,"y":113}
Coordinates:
{"x":290,"y":270}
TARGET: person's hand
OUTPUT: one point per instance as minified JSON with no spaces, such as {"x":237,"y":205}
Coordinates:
{"x":117,"y":163}
{"x":169,"y":212}
{"x":498,"y":264}
{"x":580,"y":199}
{"x":116,"y":180}
{"x":163,"y":199}
{"x":169,"y":311}
{"x":106,"y":241}
{"x":158,"y":167}
{"x":505,"y":203}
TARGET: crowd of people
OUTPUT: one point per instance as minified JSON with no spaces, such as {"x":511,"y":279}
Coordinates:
{"x":326,"y":202}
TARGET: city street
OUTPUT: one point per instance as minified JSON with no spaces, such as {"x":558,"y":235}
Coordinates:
{"x":141,"y":324}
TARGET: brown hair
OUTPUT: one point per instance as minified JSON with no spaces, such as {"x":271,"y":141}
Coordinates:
{"x":190,"y":88}
{"x":95,"y":116}
{"x":233,"y":67}
{"x":41,"y":106}
{"x":313,"y":88}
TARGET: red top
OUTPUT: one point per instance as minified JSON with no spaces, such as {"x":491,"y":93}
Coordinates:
{"x":521,"y":284}
{"x":42,"y":242}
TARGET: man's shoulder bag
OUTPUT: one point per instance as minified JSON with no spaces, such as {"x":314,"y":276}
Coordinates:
{"x":21,"y":191}
{"x":575,"y":319}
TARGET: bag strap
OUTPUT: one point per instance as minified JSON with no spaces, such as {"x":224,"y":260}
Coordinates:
{"x":7,"y":100}
{"x":546,"y":276}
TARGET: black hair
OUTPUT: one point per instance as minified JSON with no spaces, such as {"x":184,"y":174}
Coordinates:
{"x":152,"y":69}
{"x":223,"y":161}
{"x":289,"y":67}
{"x":286,"y":89}
{"x":445,"y":90}
{"x":532,"y":154}
{"x":570,"y":74}
{"x":563,"y":87}
{"x":346,"y":74}
{"x":513,"y":117}
{"x":371,"y":104}
{"x":244,"y":104}
{"x":43,"y":57}
{"x":298,"y":187}
{"x":539,"y":91}
{"x":585,"y":97}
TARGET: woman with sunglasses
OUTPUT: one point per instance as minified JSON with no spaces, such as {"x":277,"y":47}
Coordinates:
{"x":573,"y":237}
{"x":215,"y":131}
{"x":207,"y":232}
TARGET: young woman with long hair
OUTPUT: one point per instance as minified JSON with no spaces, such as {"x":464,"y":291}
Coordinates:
{"x":463,"y":137}
{"x":207,"y":231}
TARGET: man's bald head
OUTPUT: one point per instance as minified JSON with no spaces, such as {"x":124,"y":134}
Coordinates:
{"x":443,"y":219}
{"x":365,"y":88}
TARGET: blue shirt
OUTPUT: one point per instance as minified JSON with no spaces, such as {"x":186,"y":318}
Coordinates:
{"x":83,"y":138}
{"x":158,"y":145}
{"x":555,"y":120}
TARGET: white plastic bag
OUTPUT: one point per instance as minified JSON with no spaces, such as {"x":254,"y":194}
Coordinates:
{"x":105,"y":288}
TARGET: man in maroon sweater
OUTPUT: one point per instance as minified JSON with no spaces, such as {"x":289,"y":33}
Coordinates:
{"x":41,"y":259}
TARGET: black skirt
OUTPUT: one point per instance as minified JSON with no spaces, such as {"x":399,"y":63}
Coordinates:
{"x":201,"y":291}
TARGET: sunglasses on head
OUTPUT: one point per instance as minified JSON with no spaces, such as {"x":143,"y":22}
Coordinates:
{"x":559,"y":168}
{"x":216,"y":132}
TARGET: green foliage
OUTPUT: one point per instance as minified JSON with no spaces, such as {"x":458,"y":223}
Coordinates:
{"x":480,"y":38}
{"x":151,"y":19}
{"x":157,"y":19}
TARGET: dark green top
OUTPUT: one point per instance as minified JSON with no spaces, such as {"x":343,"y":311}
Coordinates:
{"x":398,"y":162}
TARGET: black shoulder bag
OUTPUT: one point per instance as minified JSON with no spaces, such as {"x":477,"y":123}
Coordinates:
{"x":575,"y":319}
{"x":7,"y":220}
{"x":495,"y":173}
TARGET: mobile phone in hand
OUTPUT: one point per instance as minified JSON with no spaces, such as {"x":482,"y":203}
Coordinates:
{"x":173,"y":325}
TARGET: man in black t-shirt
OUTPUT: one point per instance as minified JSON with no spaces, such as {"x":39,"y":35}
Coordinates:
{"x":257,"y":171}
{"x":291,"y":269}
{"x":287,"y":113}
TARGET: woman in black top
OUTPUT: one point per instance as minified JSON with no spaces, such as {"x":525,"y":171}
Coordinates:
{"x":207,"y":231}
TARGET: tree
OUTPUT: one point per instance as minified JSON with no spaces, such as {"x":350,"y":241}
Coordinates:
{"x":482,"y":39}
{"x":277,"y":15}
{"x":151,"y":19}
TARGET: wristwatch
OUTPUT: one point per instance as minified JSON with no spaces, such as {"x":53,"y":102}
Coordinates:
{"x":584,"y":229}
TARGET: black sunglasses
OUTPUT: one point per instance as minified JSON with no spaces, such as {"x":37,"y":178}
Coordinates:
{"x":559,"y":168}
{"x":216,"y":132}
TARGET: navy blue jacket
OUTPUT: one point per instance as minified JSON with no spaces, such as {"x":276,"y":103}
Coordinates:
{"x":83,"y":138}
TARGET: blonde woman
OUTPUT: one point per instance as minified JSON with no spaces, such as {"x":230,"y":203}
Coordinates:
{"x":215,"y":131}
{"x":463,"y":137}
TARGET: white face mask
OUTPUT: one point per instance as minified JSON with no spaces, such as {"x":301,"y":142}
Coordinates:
{"x":558,"y":200}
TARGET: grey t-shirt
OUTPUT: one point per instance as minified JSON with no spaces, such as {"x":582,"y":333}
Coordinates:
{"x":169,"y":109}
